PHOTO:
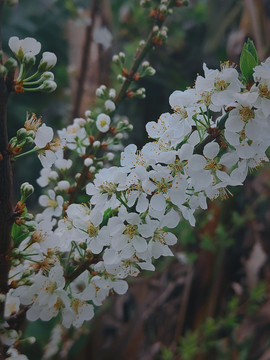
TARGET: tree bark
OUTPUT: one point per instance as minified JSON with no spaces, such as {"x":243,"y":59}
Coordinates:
{"x":6,"y":191}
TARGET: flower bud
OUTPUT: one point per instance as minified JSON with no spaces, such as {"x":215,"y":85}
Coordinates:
{"x":119,"y":136}
{"x":92,"y":169}
{"x":47,"y":75}
{"x":96,"y":144}
{"x":120,"y":78}
{"x":28,"y":141}
{"x":2,"y":298}
{"x":53,"y":175}
{"x":109,"y":105}
{"x":28,"y":217}
{"x":11,"y":64}
{"x":115,"y":59}
{"x":48,"y":86}
{"x":87,"y":113}
{"x":3,"y":71}
{"x":79,"y":121}
{"x":163,"y":8}
{"x":112,"y":93}
{"x":88,"y":162}
{"x":110,"y":156}
{"x":122,"y":56}
{"x":22,"y":134}
{"x":26,"y":190}
{"x":47,"y":62}
{"x":31,"y":133}
{"x":149,"y":71}
{"x":145,"y":64}
{"x":63,"y":185}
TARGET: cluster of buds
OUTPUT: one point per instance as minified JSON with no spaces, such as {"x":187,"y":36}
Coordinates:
{"x":139,"y":93}
{"x":9,"y":66}
{"x":147,"y":70}
{"x":164,"y":7}
{"x":22,"y":139}
{"x":25,"y":52}
{"x":119,"y":59}
{"x":159,"y":35}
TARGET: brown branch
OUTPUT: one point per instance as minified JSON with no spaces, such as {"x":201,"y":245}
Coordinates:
{"x":84,"y":61}
{"x":183,"y":306}
{"x":256,"y":27}
{"x":6,"y":193}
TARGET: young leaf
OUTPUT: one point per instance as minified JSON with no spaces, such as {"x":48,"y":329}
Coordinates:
{"x":247,"y":64}
{"x":251,"y":48}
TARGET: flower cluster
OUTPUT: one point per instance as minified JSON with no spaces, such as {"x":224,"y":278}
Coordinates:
{"x":74,"y":255}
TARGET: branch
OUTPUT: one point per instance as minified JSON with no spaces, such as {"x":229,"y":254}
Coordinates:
{"x":6,"y":192}
{"x":84,"y":61}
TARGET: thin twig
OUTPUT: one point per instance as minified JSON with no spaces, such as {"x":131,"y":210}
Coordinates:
{"x":85,"y":57}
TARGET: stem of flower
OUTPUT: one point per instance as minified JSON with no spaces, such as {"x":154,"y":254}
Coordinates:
{"x":32,"y":151}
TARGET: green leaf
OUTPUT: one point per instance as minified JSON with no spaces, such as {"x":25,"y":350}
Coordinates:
{"x":251,"y":48}
{"x":248,"y":60}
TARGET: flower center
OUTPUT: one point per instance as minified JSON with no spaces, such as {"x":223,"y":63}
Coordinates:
{"x":130,"y":230}
{"x":264,"y":91}
{"x":221,"y":85}
{"x":246,"y":114}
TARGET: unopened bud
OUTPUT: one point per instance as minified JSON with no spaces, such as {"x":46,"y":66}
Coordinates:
{"x":87,"y":113}
{"x":163,"y":8}
{"x":119,"y":136}
{"x":96,"y":144}
{"x":28,"y":141}
{"x":47,"y":75}
{"x":120,"y":78}
{"x":150,"y":71}
{"x":110,"y":156}
{"x":63,"y":185}
{"x":122,"y":56}
{"x":26,"y":190}
{"x":47,"y":62}
{"x":88,"y":162}
{"x":48,"y":86}
{"x":3,"y":71}
{"x":22,"y":134}
{"x":11,"y":64}
{"x":109,"y":105}
{"x":115,"y":59}
{"x":112,"y":93}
